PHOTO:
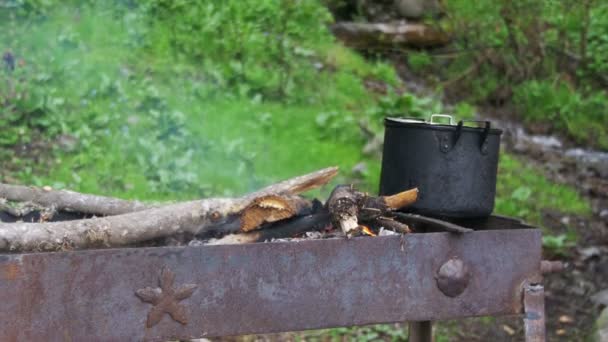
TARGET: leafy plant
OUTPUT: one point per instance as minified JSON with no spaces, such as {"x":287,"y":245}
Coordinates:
{"x":549,"y":57}
{"x":265,"y":45}
{"x":419,"y":61}
{"x":559,"y":244}
{"x":585,"y":117}
{"x":523,"y":191}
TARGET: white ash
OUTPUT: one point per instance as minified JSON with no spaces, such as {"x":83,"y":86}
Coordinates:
{"x":386,"y":232}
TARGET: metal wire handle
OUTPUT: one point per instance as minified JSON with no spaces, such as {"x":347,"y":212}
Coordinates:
{"x":445,"y":116}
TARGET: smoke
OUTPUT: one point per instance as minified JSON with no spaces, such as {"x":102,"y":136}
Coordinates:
{"x":151,"y":122}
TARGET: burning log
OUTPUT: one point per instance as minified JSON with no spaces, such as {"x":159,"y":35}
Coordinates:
{"x":195,"y":217}
{"x":347,"y":206}
{"x":314,"y":222}
{"x":342,"y":203}
{"x":272,"y":208}
{"x":343,"y":206}
{"x":386,"y":204}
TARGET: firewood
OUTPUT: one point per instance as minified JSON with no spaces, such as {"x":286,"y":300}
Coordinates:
{"x":343,"y":205}
{"x":348,"y":207}
{"x":387,"y":204}
{"x":69,"y":200}
{"x":396,"y":226}
{"x":434,"y":224}
{"x":314,"y":222}
{"x":272,"y":208}
{"x":194,"y":217}
{"x":401,"y":200}
{"x":20,"y":209}
{"x":46,"y":197}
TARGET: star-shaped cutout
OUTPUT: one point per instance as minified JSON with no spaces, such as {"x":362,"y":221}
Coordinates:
{"x":166,"y":298}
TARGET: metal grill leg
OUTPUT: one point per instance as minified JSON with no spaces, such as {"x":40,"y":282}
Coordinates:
{"x":534,"y":308}
{"x":420,"y":331}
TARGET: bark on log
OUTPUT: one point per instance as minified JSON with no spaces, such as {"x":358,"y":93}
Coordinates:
{"x":19,"y":210}
{"x":386,"y":35}
{"x":70,"y":200}
{"x":105,"y":206}
{"x":348,"y":207}
{"x":389,"y":203}
{"x":192,"y":217}
{"x":343,"y":205}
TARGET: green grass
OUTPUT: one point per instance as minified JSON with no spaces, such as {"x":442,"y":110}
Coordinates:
{"x":228,"y":147}
{"x":155,"y":128}
{"x":523,"y":191}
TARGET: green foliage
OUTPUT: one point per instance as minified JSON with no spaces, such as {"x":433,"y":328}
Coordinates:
{"x":597,"y":49}
{"x":559,"y":244}
{"x":143,"y":121}
{"x":25,"y":105}
{"x":585,"y":117}
{"x":464,"y":110}
{"x":523,"y":191}
{"x":419,"y":61}
{"x":522,"y":47}
{"x":406,"y":105}
{"x":265,"y":46}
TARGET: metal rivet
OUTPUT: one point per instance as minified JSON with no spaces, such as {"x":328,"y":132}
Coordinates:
{"x":453,"y":277}
{"x":484,"y":148}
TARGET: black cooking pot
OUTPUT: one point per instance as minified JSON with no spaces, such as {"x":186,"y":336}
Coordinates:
{"x":453,"y":166}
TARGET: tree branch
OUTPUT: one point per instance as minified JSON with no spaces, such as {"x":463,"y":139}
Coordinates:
{"x":194,"y":217}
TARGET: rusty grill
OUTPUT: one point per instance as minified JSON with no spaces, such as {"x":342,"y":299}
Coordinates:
{"x":168,"y":293}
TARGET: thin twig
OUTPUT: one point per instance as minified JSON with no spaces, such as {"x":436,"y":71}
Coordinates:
{"x":435,"y":223}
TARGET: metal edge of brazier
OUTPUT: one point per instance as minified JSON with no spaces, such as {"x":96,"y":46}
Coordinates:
{"x":166,"y":293}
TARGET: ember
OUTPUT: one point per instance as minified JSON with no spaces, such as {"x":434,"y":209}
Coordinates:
{"x":367,"y":231}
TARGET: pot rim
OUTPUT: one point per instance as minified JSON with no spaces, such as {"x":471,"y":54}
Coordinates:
{"x":407,"y":122}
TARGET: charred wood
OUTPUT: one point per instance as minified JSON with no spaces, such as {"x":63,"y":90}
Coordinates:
{"x":292,"y":228}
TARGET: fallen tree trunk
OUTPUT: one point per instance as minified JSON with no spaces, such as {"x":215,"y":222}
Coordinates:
{"x":194,"y":217}
{"x":386,"y":35}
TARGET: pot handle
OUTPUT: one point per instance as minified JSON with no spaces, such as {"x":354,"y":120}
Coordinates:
{"x":445,"y":116}
{"x":483,"y":145}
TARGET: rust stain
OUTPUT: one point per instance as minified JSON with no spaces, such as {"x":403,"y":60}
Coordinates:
{"x":10,"y":271}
